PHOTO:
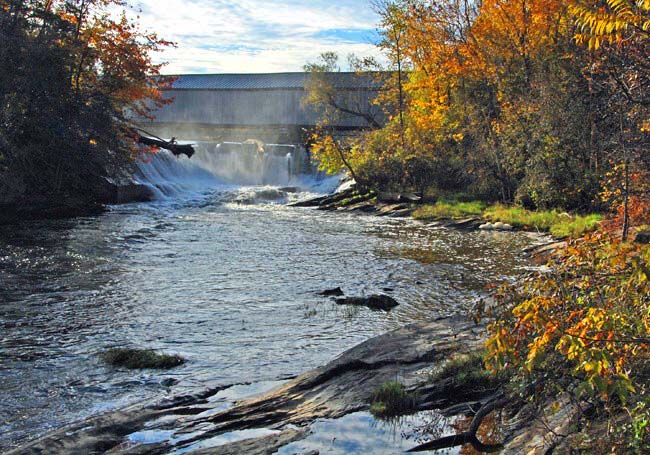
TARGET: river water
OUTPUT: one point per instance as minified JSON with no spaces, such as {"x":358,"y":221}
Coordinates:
{"x":225,"y":275}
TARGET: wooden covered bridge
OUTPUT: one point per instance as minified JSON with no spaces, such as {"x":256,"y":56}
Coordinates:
{"x":266,"y":107}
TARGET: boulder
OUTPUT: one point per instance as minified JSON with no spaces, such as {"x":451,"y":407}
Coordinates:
{"x":374,"y":302}
{"x":498,"y":226}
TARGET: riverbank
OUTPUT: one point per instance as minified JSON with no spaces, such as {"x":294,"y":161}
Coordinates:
{"x":21,"y":204}
{"x":455,"y":214}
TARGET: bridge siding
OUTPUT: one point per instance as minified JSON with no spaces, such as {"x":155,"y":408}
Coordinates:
{"x":272,"y":105}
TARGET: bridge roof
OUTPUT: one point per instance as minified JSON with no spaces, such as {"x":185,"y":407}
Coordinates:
{"x":272,"y":81}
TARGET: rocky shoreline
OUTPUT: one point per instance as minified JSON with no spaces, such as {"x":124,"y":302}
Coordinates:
{"x":285,"y":414}
{"x":395,"y":205}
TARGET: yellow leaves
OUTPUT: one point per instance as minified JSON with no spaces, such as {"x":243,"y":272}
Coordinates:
{"x":582,"y":318}
{"x":598,"y":26}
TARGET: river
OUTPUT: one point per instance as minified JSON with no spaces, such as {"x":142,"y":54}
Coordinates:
{"x":223,"y":273}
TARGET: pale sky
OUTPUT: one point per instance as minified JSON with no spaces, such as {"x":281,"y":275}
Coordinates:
{"x":256,"y":36}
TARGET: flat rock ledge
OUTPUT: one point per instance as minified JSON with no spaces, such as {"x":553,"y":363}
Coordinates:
{"x":343,"y":386}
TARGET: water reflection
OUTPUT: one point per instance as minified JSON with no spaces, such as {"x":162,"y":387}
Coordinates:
{"x":360,"y":433}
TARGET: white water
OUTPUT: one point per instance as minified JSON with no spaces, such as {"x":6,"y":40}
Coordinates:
{"x":225,"y":165}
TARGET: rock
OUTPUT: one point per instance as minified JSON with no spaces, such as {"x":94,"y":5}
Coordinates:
{"x":169,"y":382}
{"x":289,"y":189}
{"x":374,"y":302}
{"x":134,"y":192}
{"x":263,"y":445}
{"x":410,"y":197}
{"x":403,"y":213}
{"x":498,"y":226}
{"x":311,"y":202}
{"x":336,"y":292}
{"x":365,"y":207}
{"x":253,"y":196}
{"x":465,"y":223}
{"x":270,"y":194}
{"x":398,"y":197}
{"x":642,"y":237}
{"x":348,"y":185}
{"x":388,"y":197}
{"x":343,"y":386}
{"x":42,"y":208}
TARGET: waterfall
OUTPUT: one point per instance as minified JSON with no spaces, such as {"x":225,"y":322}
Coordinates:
{"x":223,"y":164}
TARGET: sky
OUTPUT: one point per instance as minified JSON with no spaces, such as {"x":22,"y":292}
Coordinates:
{"x":257,"y":36}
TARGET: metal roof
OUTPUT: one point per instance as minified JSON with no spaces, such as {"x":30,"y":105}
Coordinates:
{"x":272,"y":81}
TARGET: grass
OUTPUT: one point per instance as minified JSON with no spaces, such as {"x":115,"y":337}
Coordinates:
{"x":467,"y":372}
{"x":559,"y":224}
{"x":449,"y":209}
{"x":391,"y":400}
{"x":140,"y":358}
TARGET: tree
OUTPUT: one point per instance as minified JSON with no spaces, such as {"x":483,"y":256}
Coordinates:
{"x":335,"y":104}
{"x":71,"y":75}
{"x":618,"y":35}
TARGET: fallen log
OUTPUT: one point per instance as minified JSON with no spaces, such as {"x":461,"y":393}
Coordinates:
{"x":172,"y":146}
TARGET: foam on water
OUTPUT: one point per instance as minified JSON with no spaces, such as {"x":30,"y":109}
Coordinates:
{"x":228,"y":165}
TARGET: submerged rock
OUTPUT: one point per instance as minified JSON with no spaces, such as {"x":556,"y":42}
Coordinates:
{"x":336,"y":292}
{"x":374,"y":302}
{"x":343,"y":386}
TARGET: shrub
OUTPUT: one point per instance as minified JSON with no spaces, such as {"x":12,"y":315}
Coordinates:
{"x":584,"y":323}
{"x":467,"y":371}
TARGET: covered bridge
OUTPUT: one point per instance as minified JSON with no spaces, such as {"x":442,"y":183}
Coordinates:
{"x":268,"y":107}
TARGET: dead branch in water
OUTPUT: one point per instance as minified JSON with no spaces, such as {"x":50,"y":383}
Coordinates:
{"x":172,"y":146}
{"x":469,"y":436}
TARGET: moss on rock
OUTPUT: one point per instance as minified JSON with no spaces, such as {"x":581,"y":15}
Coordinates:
{"x":140,"y":358}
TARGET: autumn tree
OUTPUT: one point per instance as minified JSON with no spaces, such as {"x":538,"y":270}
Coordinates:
{"x":617,"y":32}
{"x":71,"y":74}
{"x":335,"y":103}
